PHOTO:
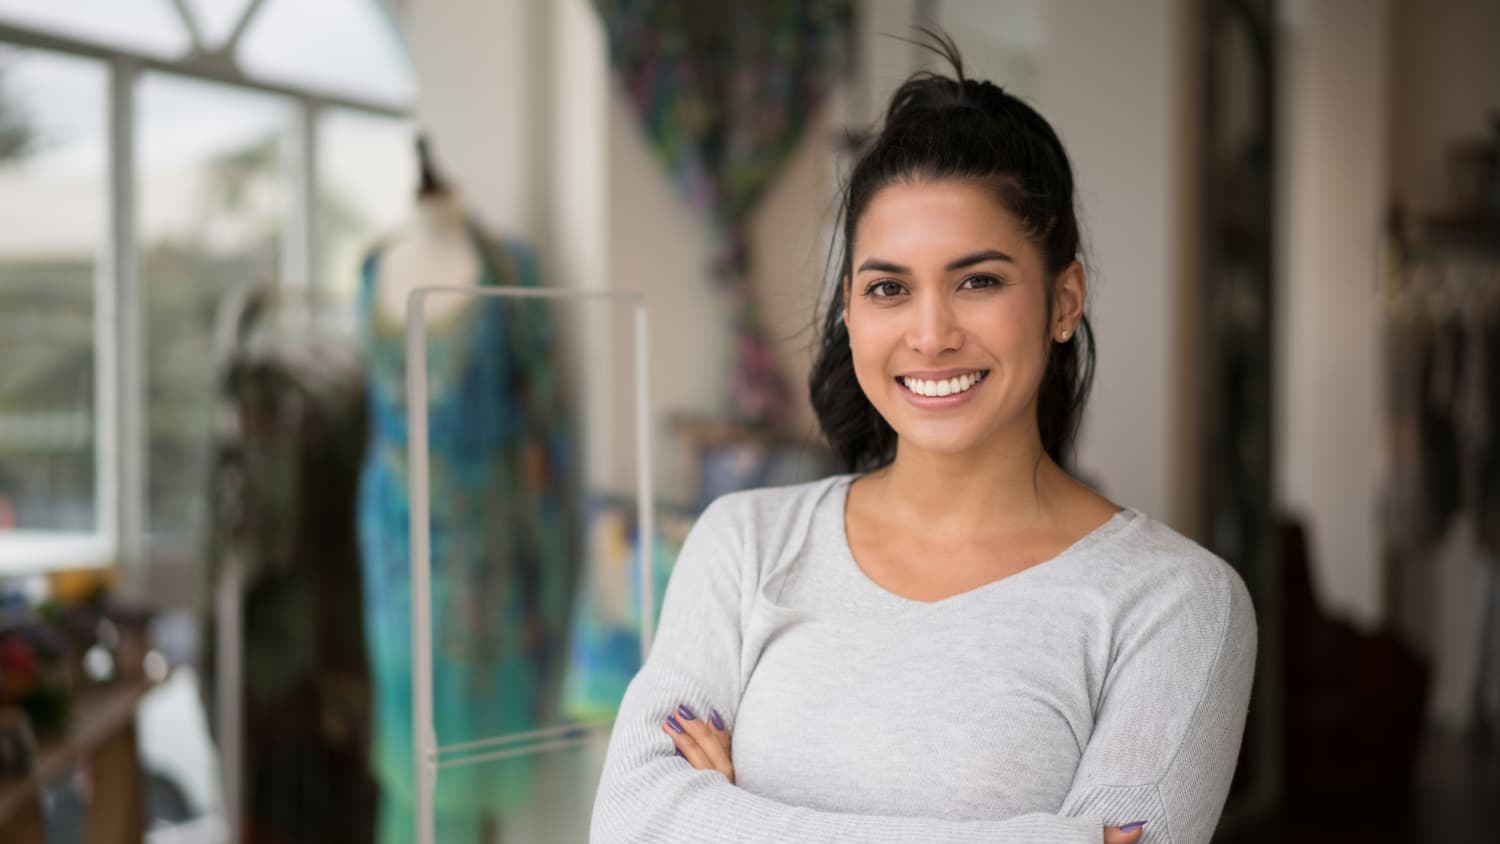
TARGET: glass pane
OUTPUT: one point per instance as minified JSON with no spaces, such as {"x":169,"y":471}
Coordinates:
{"x":211,"y":191}
{"x":52,"y":230}
{"x":368,"y":172}
{"x":148,"y":26}
{"x":216,"y":19}
{"x":347,"y":46}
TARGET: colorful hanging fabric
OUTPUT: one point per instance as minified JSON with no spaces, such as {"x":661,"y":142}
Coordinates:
{"x":724,"y":91}
{"x":503,"y":479}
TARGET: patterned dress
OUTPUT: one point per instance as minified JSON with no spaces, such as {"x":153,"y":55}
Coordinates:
{"x":503,"y":472}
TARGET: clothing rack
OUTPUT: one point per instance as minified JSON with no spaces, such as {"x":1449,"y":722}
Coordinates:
{"x":1451,"y":284}
{"x":428,"y":755}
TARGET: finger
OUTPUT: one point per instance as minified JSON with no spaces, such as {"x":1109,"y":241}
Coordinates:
{"x":707,"y":741}
{"x":1117,"y":835}
{"x":721,"y":730}
{"x":687,"y":745}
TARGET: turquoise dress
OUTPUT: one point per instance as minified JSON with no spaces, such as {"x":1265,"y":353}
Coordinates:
{"x":504,"y":491}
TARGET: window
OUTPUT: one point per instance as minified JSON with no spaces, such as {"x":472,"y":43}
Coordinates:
{"x":52,"y":240}
{"x":210,"y":188}
{"x":347,"y":46}
{"x":368,"y":176}
{"x":150,"y":27}
{"x":154,"y":156}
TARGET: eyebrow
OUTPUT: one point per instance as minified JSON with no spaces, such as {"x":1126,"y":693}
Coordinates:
{"x":957,"y":264}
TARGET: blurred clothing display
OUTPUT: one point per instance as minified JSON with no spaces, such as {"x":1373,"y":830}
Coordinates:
{"x":1441,"y":502}
{"x":282,"y":490}
{"x":723,"y":92}
{"x":604,"y":650}
{"x":1422,"y":488}
{"x":504,"y":533}
{"x":1333,"y":672}
{"x":1442,"y":335}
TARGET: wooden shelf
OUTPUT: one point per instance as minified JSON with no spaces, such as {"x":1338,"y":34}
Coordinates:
{"x":103,"y":724}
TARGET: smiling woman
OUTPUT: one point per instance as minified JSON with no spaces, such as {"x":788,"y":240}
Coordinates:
{"x":957,"y":641}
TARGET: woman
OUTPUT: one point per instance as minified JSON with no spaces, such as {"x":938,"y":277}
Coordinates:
{"x":959,"y":642}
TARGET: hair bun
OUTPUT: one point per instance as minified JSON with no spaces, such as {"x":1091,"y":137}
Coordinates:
{"x":986,"y":94}
{"x":927,"y":95}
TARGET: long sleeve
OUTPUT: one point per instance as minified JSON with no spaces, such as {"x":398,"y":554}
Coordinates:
{"x":1167,"y":734}
{"x":647,"y":794}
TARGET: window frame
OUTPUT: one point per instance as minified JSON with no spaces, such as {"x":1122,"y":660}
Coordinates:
{"x":120,"y":484}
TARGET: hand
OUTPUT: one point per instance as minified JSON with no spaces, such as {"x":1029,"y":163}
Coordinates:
{"x":1113,"y":835}
{"x":703,"y":743}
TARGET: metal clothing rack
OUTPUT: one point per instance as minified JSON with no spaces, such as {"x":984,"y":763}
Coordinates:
{"x":429,"y":756}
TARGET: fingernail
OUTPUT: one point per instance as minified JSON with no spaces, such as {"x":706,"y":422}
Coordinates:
{"x":713,"y":715}
{"x":686,"y":713}
{"x":1132,"y":827}
{"x":680,"y":753}
{"x":672,"y":722}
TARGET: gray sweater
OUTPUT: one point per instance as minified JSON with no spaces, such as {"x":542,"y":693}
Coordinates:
{"x":1106,"y":685}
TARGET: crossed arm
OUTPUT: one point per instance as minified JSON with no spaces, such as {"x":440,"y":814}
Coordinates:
{"x":647,"y":793}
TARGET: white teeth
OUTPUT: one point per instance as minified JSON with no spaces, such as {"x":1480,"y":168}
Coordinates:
{"x":946,"y":387}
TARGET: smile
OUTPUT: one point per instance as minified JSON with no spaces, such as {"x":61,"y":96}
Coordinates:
{"x":943,"y":387}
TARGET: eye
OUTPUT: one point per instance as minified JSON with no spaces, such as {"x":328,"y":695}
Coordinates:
{"x":980,"y":282}
{"x":883,"y":289}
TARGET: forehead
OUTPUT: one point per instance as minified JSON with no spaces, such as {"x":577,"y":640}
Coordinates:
{"x":935,"y":218}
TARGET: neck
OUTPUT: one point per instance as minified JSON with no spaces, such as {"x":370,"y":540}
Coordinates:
{"x":1008,"y":486}
{"x":438,"y":215}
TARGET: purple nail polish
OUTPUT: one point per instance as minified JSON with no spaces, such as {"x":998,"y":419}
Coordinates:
{"x":713,"y":715}
{"x":679,"y":753}
{"x":1132,"y":827}
{"x":672,"y":722}
{"x":686,"y":713}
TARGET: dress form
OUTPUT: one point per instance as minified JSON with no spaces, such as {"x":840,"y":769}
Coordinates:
{"x":434,"y":248}
{"x":501,"y":527}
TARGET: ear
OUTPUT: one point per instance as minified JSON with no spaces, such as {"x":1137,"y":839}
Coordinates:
{"x":1068,"y":296}
{"x":845,"y":284}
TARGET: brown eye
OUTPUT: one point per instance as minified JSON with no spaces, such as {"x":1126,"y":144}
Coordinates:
{"x":980,"y":282}
{"x":883,"y":289}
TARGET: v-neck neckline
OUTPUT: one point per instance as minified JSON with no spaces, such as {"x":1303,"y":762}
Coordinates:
{"x":1121,"y":519}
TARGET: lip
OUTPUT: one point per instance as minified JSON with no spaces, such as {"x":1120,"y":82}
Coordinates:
{"x":941,"y":402}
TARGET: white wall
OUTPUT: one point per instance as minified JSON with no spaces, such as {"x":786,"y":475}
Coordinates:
{"x":471,"y":61}
{"x":1108,"y":86}
{"x":1334,"y":190}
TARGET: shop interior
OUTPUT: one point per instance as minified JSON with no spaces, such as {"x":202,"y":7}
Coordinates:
{"x":213,"y":214}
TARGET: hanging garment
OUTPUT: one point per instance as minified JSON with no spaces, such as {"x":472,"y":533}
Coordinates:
{"x":723,"y":92}
{"x":503,"y":475}
{"x":604,"y":650}
{"x":1489,"y":475}
{"x":282,"y":489}
{"x":1423,"y":490}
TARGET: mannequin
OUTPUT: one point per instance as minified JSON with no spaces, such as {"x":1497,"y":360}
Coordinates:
{"x":436,"y":247}
{"x":503,"y":528}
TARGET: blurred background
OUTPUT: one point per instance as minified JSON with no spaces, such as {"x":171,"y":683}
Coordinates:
{"x":210,"y":211}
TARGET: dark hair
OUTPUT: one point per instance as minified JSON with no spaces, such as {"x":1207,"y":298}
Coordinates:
{"x":942,"y":128}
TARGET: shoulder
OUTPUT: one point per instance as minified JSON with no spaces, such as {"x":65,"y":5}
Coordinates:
{"x":768,"y":508}
{"x":1159,"y":572}
{"x":757,"y":527}
{"x":741,"y":535}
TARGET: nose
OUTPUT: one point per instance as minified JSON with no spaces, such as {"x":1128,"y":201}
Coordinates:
{"x":934,"y":328}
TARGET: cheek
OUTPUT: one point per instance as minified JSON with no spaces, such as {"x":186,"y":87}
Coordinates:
{"x":872,"y":350}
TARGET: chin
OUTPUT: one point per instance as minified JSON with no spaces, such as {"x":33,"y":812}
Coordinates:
{"x":938,"y":443}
